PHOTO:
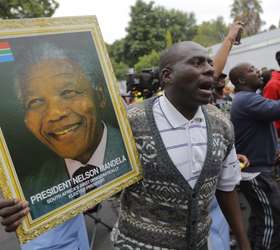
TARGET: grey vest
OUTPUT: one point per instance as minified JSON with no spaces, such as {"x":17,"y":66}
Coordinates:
{"x":163,"y":211}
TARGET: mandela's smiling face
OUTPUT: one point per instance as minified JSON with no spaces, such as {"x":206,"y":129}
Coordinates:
{"x":60,"y":109}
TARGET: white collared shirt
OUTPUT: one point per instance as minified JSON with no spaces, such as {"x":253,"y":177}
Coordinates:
{"x":186,"y":144}
{"x":97,"y":158}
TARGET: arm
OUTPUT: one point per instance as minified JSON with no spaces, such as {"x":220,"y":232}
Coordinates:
{"x":229,"y":204}
{"x":12,"y":213}
{"x":260,"y":108}
{"x":220,"y":58}
{"x":228,"y":198}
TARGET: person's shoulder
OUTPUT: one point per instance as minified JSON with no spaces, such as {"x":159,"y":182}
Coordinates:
{"x":134,"y":108}
{"x":216,"y":114}
{"x":112,"y":131}
{"x":272,"y":85}
{"x":140,"y":115}
{"x":137,"y":110}
{"x":275,"y":77}
{"x":245,"y":96}
{"x":60,"y":173}
{"x":218,"y":120}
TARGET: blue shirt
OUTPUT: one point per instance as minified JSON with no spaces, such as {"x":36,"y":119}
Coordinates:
{"x":219,"y":230}
{"x":70,"y":235}
{"x":252,"y":116}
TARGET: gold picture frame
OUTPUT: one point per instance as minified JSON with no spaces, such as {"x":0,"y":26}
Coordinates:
{"x":22,"y":155}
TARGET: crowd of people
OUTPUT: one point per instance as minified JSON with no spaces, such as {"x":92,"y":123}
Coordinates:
{"x":191,"y":156}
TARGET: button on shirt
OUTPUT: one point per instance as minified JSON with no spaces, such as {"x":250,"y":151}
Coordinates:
{"x":186,"y":144}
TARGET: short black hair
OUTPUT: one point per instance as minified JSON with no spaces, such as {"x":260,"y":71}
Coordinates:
{"x":277,"y":57}
{"x":236,"y":73}
{"x":171,"y":55}
{"x":222,"y":76}
{"x":47,"y":51}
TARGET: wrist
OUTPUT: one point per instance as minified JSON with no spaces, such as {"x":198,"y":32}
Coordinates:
{"x":244,"y":244}
{"x":229,"y":40}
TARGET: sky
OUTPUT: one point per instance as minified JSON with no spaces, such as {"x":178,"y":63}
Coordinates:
{"x":113,"y":15}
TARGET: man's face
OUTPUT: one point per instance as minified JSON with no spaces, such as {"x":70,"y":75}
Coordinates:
{"x":191,"y":75}
{"x":252,"y":77}
{"x":59,"y":108}
{"x":220,"y":83}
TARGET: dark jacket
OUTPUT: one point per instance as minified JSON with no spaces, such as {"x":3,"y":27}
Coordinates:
{"x":252,"y":116}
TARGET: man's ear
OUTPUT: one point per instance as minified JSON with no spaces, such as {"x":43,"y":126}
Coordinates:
{"x":241,"y":81}
{"x":165,"y":76}
{"x":100,"y":96}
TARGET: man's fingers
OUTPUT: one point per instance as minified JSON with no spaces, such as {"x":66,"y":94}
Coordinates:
{"x":8,"y":221}
{"x":247,"y":163}
{"x":10,"y":210}
{"x":240,"y":23}
{"x":7,"y":203}
{"x":13,"y":227}
{"x":13,"y":215}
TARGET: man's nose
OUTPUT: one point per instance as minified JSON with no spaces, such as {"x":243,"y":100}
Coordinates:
{"x":209,"y":69}
{"x":56,"y":111}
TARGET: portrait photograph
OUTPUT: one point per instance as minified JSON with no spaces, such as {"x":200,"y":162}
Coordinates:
{"x":65,"y":141}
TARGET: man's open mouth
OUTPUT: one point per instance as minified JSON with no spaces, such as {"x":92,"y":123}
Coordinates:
{"x":64,"y":130}
{"x":206,"y":87}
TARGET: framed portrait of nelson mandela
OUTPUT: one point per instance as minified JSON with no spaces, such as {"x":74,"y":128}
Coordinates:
{"x":65,"y":141}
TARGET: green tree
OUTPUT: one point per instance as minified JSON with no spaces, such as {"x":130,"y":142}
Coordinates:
{"x":27,"y":8}
{"x":168,"y":39}
{"x":148,"y":26}
{"x":116,"y":50}
{"x":147,"y":61}
{"x":120,"y":69}
{"x":181,"y":25}
{"x":211,"y":32}
{"x":248,"y":11}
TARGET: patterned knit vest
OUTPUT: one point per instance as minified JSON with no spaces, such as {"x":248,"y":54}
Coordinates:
{"x":163,"y":211}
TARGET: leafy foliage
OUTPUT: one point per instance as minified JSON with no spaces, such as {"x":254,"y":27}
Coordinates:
{"x":211,"y":32}
{"x":248,"y":11}
{"x":154,"y":28}
{"x":148,"y":61}
{"x":147,"y":30}
{"x":27,"y":8}
{"x":120,"y":69}
{"x":168,"y":39}
{"x":117,"y":51}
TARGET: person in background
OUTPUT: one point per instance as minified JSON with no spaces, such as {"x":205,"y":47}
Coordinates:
{"x":221,"y":99}
{"x":220,"y":232}
{"x":252,"y":116}
{"x":266,"y":76}
{"x":272,"y":88}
